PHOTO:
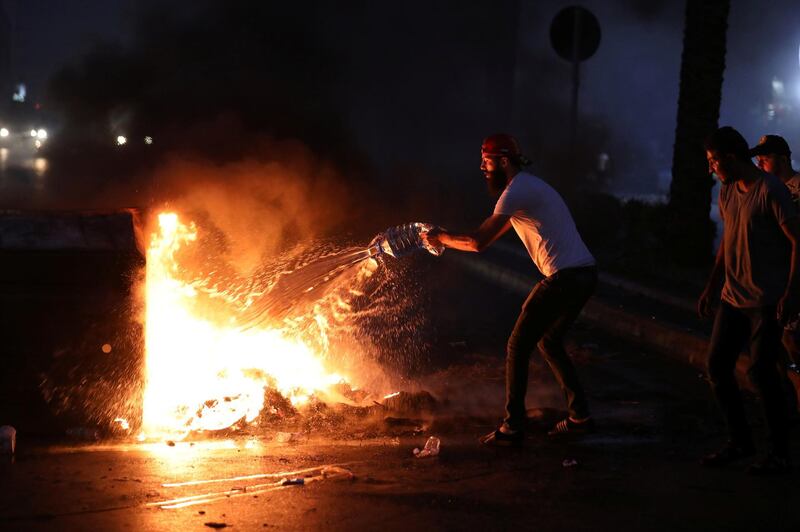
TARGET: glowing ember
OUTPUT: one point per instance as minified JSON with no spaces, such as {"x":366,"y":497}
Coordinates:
{"x":203,"y":372}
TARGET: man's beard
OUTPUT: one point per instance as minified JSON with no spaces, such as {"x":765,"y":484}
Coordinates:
{"x":496,"y":182}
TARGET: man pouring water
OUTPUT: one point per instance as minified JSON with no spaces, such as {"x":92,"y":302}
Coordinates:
{"x":544,"y":224}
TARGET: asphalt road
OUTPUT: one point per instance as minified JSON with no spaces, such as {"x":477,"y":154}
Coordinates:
{"x":639,"y":471}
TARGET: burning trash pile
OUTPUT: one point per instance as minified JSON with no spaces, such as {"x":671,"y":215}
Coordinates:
{"x":226,"y":354}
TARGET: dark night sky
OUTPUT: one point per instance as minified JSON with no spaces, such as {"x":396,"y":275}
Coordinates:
{"x":50,"y":33}
{"x":631,"y":85}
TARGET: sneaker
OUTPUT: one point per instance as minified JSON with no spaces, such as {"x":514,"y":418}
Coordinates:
{"x":569,"y":426}
{"x":728,"y":454}
{"x":498,"y":438}
{"x":771,"y":464}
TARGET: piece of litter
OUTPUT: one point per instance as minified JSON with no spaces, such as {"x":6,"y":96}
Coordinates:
{"x":214,"y":524}
{"x":284,"y":437}
{"x":83,"y":433}
{"x":293,"y":481}
{"x":569,"y":462}
{"x":336,"y":472}
{"x":8,"y":439}
{"x":432,"y":447}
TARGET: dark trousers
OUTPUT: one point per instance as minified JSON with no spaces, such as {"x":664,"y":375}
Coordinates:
{"x":547,"y":314}
{"x":791,"y":344}
{"x":791,"y":354}
{"x":734,"y":329}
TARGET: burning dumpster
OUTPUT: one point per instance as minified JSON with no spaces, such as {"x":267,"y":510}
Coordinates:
{"x":70,"y":338}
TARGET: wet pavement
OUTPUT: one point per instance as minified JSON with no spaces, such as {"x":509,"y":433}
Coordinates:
{"x":638,"y":471}
{"x":24,"y":173}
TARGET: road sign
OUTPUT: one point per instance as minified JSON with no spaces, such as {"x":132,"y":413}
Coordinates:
{"x":575,"y":33}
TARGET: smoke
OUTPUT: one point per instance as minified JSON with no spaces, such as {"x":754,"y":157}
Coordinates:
{"x":215,"y":84}
{"x":646,"y":10}
{"x":544,"y":133}
{"x":260,"y":206}
{"x":244,"y":130}
{"x":398,"y":109}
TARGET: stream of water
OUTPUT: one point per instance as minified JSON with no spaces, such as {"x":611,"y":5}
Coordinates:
{"x":301,"y":284}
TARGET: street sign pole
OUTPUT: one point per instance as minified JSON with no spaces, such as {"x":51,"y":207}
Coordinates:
{"x":575,"y":36}
{"x":576,"y":44}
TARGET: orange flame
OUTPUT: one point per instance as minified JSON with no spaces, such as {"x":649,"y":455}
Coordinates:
{"x":201,"y":375}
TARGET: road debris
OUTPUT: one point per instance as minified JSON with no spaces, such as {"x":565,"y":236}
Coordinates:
{"x":405,"y":404}
{"x":337,"y":473}
{"x":83,"y":433}
{"x":8,"y":439}
{"x":284,"y":437}
{"x":278,"y":481}
{"x":432,"y":447}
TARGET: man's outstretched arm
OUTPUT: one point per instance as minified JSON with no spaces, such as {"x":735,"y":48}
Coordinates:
{"x":490,"y":230}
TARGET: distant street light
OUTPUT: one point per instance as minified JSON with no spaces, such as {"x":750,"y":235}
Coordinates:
{"x":3,"y":132}
{"x":121,"y":140}
{"x":777,"y":87}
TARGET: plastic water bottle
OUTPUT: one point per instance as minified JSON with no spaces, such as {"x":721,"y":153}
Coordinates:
{"x":402,"y":240}
{"x":432,"y":447}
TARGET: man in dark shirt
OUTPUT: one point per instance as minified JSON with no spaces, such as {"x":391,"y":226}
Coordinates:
{"x":758,"y":261}
{"x":774,"y":157}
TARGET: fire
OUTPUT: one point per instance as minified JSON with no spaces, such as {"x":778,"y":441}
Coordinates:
{"x":203,"y":372}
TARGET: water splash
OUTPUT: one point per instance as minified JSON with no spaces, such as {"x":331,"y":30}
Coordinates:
{"x":295,"y":287}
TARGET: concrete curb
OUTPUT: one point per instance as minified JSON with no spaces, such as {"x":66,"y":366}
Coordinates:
{"x":665,"y":338}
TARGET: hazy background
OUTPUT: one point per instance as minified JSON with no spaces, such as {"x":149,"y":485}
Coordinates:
{"x":392,"y":99}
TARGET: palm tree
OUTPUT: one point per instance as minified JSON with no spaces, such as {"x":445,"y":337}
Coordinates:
{"x":702,"y":67}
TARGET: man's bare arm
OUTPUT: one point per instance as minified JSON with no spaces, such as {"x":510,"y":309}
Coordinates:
{"x":713,"y":284}
{"x":490,"y":230}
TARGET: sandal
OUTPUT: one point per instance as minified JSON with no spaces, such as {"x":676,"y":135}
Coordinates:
{"x":728,"y":454}
{"x":568,"y":426}
{"x":772,"y":464}
{"x":496,"y":438}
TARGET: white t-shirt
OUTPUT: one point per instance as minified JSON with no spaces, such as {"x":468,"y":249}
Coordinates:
{"x":544,"y":224}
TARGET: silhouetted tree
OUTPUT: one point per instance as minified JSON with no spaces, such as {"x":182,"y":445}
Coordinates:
{"x":702,"y":67}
